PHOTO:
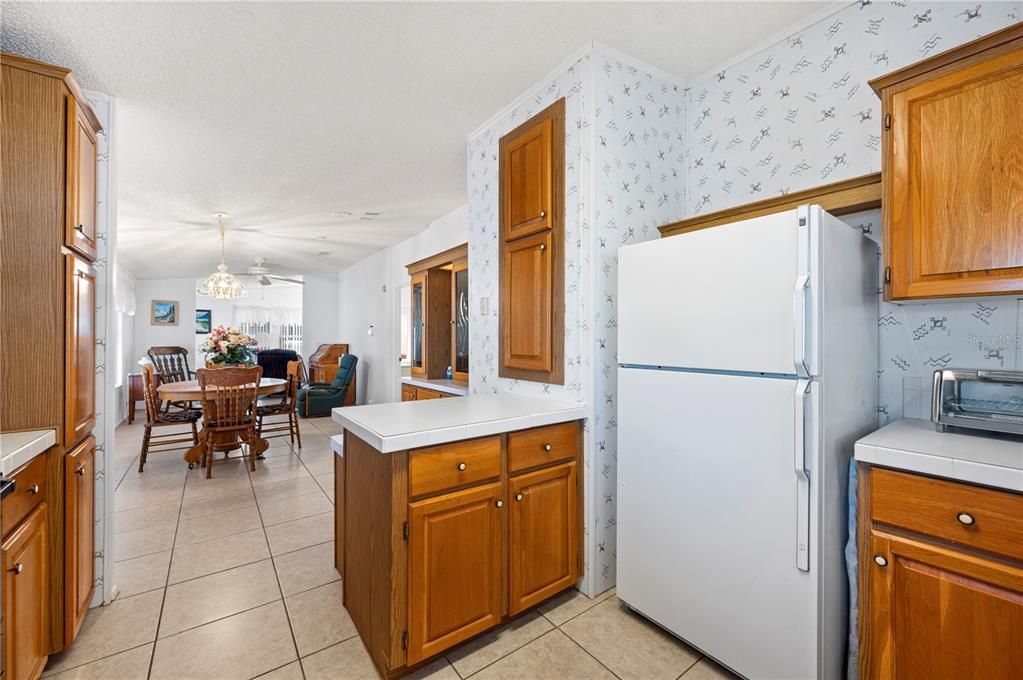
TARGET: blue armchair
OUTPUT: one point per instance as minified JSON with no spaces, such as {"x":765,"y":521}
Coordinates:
{"x":317,"y":399}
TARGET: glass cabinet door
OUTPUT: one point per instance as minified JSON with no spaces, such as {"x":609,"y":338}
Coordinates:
{"x":418,"y":323}
{"x":460,"y":325}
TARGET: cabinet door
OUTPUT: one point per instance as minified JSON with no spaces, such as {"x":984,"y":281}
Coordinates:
{"x":954,"y":221}
{"x":408,"y":393}
{"x":80,"y":349}
{"x":531,"y":173}
{"x":527,"y":304}
{"x":941,"y":614}
{"x":79,"y":532}
{"x":422,"y":394}
{"x":543,"y":535}
{"x":80,"y":222}
{"x":418,"y":331}
{"x":460,"y":320}
{"x":25,"y":598}
{"x":455,"y":568}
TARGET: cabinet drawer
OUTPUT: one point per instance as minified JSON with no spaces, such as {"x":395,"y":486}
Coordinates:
{"x":29,"y":491}
{"x":453,"y":465}
{"x":970,"y":515}
{"x":541,"y":445}
{"x":423,"y":393}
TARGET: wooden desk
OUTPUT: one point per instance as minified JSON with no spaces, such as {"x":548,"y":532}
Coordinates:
{"x":188,"y":390}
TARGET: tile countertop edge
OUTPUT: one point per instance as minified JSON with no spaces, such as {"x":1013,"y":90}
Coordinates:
{"x":18,"y":448}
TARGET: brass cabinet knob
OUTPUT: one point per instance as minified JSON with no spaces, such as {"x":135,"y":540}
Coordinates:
{"x":880,"y":560}
{"x":461,"y":466}
{"x":966,"y":519}
{"x":499,"y":504}
{"x":18,"y":568}
{"x":518,"y":497}
{"x":80,"y":471}
{"x":34,"y":489}
{"x":543,"y":247}
{"x":543,"y":214}
{"x":546,"y":447}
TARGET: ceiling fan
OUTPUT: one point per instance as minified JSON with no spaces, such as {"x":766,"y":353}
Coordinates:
{"x":260,"y":271}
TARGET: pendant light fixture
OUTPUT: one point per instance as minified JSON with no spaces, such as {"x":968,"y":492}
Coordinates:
{"x":221,"y":285}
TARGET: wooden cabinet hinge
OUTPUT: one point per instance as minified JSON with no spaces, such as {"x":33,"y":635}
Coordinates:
{"x":887,"y":274}
{"x":404,"y":531}
{"x":887,"y":121}
{"x":404,"y":639}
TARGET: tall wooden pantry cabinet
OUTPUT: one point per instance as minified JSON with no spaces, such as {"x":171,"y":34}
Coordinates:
{"x":47,"y":355}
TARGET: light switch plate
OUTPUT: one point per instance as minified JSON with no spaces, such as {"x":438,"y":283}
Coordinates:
{"x":484,"y":306}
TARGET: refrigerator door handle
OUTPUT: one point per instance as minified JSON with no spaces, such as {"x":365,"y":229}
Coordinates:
{"x":802,"y":478}
{"x":799,"y":326}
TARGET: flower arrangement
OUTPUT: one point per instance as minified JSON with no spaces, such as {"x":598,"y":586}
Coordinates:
{"x":228,"y":345}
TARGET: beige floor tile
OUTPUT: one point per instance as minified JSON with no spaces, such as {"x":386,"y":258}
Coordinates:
{"x":566,"y":606}
{"x":124,"y":624}
{"x":321,"y":467}
{"x":300,"y":533}
{"x":318,"y":618}
{"x":705,"y":669}
{"x":162,"y":462}
{"x":293,"y":671}
{"x":149,"y":516}
{"x":317,"y":454}
{"x":153,"y":481}
{"x":348,"y":660}
{"x":327,"y":426}
{"x":239,"y":647}
{"x":230,"y":500}
{"x":221,"y":524}
{"x":437,"y":670}
{"x":201,"y":600}
{"x":488,"y":648}
{"x":326,"y":483}
{"x":131,"y":544}
{"x":629,"y":645}
{"x":200,"y":559}
{"x":205,"y":489}
{"x":551,"y":657}
{"x":288,"y":509}
{"x":286,"y":489}
{"x":307,"y":568}
{"x":130,"y":665}
{"x":141,"y":574}
{"x":132,"y":497}
{"x":270,"y":471}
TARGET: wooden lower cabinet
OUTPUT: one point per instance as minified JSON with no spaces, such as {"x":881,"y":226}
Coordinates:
{"x":26,"y":598}
{"x":456,"y":586}
{"x":938,"y":606}
{"x":543,"y":540}
{"x":79,"y":535}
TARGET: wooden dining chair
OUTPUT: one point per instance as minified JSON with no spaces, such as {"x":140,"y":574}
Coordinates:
{"x":156,"y":418}
{"x":171,"y":362}
{"x":286,"y":407}
{"x":229,"y":408}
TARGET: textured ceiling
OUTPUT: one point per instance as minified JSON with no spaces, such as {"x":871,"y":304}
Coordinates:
{"x":287,"y":116}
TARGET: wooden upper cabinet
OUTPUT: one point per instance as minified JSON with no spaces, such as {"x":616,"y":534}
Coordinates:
{"x":80,"y":224}
{"x":953,"y":172}
{"x":79,"y":349}
{"x":26,"y":598}
{"x":456,"y":568}
{"x":79,"y":535}
{"x":543,"y":535}
{"x":532,"y":173}
{"x":939,"y":613}
{"x":417,"y":319}
{"x":527,"y":304}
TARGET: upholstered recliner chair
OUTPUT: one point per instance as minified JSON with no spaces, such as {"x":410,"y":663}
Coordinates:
{"x":317,"y":399}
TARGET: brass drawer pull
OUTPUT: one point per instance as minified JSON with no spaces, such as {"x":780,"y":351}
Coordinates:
{"x":461,"y":466}
{"x":34,"y":489}
{"x":966,"y":519}
{"x":546,"y":447}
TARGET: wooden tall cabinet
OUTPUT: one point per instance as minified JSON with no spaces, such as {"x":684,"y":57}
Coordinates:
{"x":26,"y":595}
{"x":48,"y":330}
{"x":952,"y":174}
{"x":941,"y":578}
{"x":438,"y":335}
{"x":532,"y":215}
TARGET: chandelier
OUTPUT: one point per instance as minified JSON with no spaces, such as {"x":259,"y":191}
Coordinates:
{"x":221,"y":285}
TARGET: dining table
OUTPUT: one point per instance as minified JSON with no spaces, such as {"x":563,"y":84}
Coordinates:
{"x":188,"y":390}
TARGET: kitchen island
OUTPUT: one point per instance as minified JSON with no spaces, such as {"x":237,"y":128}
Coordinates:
{"x":453,"y":515}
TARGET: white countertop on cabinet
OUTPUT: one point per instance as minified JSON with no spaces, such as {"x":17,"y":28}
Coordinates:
{"x":915,"y":446}
{"x":411,"y":424}
{"x":18,"y":448}
{"x":438,"y":384}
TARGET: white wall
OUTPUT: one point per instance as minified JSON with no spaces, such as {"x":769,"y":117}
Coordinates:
{"x":148,"y":335}
{"x":369,"y":293}
{"x":319,"y":312}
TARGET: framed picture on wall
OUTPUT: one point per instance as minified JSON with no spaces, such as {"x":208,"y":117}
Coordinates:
{"x":203,"y":321}
{"x":164,"y":313}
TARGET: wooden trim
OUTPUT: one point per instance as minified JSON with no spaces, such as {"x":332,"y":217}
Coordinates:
{"x":867,"y":655}
{"x":446,"y":257}
{"x":839,"y":198}
{"x":952,"y":59}
{"x":58,"y":72}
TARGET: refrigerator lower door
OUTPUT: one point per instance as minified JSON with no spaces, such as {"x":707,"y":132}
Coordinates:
{"x":709,"y":514}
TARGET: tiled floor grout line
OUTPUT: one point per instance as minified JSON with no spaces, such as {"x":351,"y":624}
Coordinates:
{"x":699,"y":658}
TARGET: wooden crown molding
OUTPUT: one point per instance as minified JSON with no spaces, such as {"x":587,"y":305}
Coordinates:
{"x":447,"y":257}
{"x":60,"y":73}
{"x":840,"y":198}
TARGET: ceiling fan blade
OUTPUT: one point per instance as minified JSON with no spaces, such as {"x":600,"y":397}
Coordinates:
{"x":264,"y":280}
{"x":284,"y":278}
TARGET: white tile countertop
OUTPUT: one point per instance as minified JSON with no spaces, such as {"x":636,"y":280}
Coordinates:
{"x":439,"y":384}
{"x":17,"y":448}
{"x":411,"y":424}
{"x":914,"y":445}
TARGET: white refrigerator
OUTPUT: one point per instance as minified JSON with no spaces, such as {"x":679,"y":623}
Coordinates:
{"x":747,"y":368}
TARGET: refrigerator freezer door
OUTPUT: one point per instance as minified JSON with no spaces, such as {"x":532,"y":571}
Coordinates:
{"x":728,"y":298}
{"x":708,"y":513}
